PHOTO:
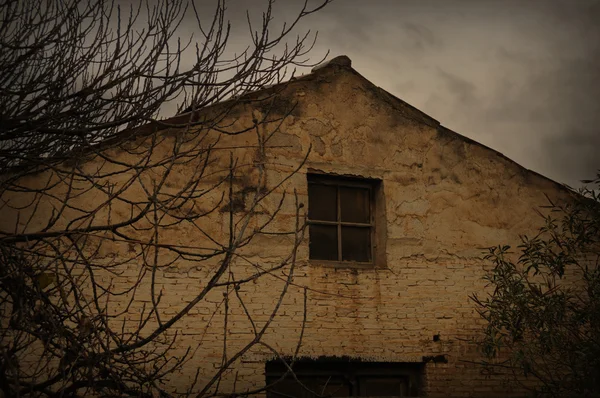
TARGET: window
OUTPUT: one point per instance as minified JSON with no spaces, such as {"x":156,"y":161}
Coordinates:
{"x":343,"y":378}
{"x":341,"y":216}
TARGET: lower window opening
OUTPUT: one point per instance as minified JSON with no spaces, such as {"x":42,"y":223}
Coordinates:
{"x":343,"y":378}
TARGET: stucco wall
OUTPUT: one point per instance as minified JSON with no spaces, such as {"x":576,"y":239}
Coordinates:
{"x":446,"y":198}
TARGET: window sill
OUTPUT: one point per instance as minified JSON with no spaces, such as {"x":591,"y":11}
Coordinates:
{"x":346,"y":264}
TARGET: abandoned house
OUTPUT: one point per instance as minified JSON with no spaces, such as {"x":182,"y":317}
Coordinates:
{"x":371,"y":298}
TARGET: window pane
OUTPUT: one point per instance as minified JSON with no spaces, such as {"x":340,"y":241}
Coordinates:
{"x":322,"y":202}
{"x":354,"y":203}
{"x":332,"y":387}
{"x":373,"y":386}
{"x":323,"y":242}
{"x":356,"y":244}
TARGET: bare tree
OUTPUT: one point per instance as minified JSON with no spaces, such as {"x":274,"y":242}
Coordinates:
{"x":96,"y":190}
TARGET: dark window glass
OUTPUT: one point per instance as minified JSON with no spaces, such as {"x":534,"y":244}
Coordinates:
{"x":323,"y":242}
{"x":356,"y":244}
{"x":354,"y":203}
{"x":332,"y":387}
{"x":322,"y":202}
{"x":371,"y":386}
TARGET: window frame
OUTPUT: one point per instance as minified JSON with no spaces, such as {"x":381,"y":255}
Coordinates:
{"x":339,"y":181}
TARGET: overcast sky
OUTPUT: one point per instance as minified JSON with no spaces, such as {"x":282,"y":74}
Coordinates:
{"x":522,"y":77}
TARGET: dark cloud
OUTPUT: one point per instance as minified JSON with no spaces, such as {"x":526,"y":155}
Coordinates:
{"x":461,"y":89}
{"x":574,"y":154}
{"x":343,"y":26}
{"x":574,"y":146}
{"x":558,"y":100}
{"x":421,"y":36}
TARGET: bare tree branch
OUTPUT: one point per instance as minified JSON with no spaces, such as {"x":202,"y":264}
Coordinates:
{"x":97,"y":192}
